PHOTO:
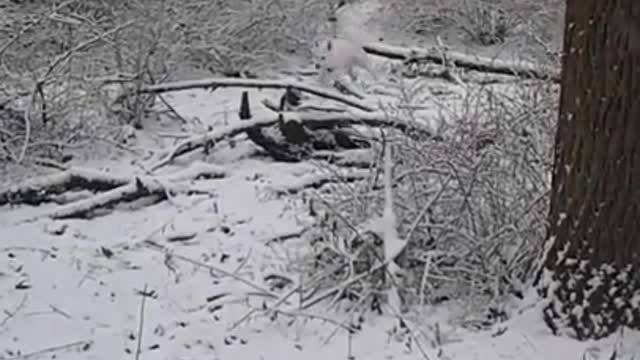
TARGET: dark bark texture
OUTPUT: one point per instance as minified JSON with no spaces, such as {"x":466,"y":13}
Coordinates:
{"x":592,"y":269}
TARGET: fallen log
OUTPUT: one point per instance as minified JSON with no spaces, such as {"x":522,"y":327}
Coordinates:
{"x":275,"y":146}
{"x":200,"y":141}
{"x":39,"y":190}
{"x":305,"y":141}
{"x":291,"y":141}
{"x":85,"y":208}
{"x":251,"y":83}
{"x":524,"y":69}
{"x":111,"y":189}
{"x":274,"y":142}
{"x":309,"y":120}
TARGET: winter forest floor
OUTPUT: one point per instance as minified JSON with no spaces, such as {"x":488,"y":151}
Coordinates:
{"x":187,"y":278}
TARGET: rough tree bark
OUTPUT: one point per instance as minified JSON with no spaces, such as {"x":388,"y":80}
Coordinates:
{"x":591,"y":272}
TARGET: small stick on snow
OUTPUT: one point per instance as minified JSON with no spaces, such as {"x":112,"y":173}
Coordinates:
{"x":82,"y":345}
{"x":157,"y":247}
{"x":283,"y":298}
{"x":337,"y":323}
{"x":11,"y":314}
{"x":144,"y":295}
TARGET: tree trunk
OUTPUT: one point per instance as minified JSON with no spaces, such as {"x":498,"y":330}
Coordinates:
{"x":591,"y":272}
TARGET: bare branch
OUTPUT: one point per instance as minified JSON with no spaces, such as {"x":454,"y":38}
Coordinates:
{"x":252,"y":83}
{"x":521,"y":68}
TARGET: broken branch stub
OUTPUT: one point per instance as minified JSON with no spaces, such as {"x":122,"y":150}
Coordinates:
{"x":278,"y":150}
{"x":245,"y":110}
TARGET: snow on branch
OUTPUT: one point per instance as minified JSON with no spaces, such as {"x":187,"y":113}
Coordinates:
{"x":524,"y":69}
{"x":110,"y":189}
{"x":310,"y":120}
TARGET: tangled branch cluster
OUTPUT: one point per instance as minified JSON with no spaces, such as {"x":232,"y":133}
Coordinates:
{"x":471,"y":203}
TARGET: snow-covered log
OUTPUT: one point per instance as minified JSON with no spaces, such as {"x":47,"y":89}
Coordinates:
{"x":524,"y":69}
{"x":310,"y":120}
{"x":110,"y":189}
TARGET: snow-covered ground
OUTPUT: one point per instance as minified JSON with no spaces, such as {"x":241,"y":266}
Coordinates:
{"x":71,"y":289}
{"x":186,"y":278}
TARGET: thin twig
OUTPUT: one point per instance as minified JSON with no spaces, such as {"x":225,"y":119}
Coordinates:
{"x":11,"y":314}
{"x":172,"y":109}
{"x":154,"y":246}
{"x":82,"y":344}
{"x":143,"y":302}
{"x":57,"y":310}
{"x":27,"y":125}
{"x":346,"y":327}
{"x":284,"y":297}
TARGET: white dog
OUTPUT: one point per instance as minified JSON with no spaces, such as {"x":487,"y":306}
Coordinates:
{"x":339,"y":57}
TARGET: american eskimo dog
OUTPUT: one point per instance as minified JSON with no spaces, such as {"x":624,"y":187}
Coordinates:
{"x":339,"y":57}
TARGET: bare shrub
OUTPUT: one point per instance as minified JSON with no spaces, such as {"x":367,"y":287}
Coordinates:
{"x":535,"y":26}
{"x":48,"y":98}
{"x":65,"y":62}
{"x":472,"y":204}
{"x":485,"y":24}
{"x":238,"y":37}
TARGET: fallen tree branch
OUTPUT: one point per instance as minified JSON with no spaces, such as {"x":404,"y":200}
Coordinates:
{"x":410,"y":54}
{"x":51,"y":352}
{"x":139,"y":187}
{"x":38,"y":190}
{"x":309,"y":120}
{"x":291,"y":141}
{"x":358,"y":158}
{"x":114,"y":189}
{"x":275,"y":108}
{"x":319,"y":180}
{"x":216,"y":135}
{"x":251,"y":83}
{"x":277,"y":150}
